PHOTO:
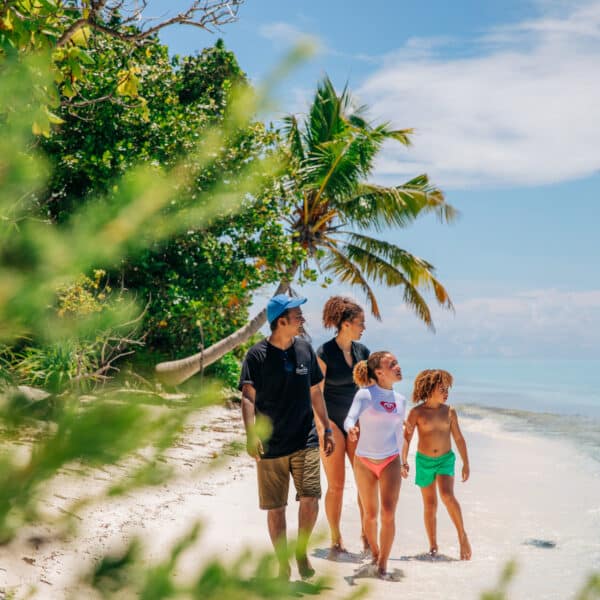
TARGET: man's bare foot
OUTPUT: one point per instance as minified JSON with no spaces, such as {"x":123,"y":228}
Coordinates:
{"x":304,"y":567}
{"x":465,"y":548}
{"x":335,"y":551}
{"x":284,"y":572}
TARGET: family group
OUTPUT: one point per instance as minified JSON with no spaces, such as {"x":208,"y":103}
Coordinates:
{"x":340,"y":401}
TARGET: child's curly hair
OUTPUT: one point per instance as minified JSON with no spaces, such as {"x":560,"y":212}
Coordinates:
{"x":426,"y":381}
{"x":339,"y":309}
{"x":364,"y":370}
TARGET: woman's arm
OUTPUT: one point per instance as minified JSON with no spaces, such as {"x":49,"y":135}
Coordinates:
{"x":461,"y":445}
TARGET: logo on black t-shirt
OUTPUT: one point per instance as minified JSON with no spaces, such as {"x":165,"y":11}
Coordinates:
{"x":301,"y":369}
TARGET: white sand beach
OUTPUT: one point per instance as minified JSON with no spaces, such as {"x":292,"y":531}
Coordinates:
{"x":522,"y":488}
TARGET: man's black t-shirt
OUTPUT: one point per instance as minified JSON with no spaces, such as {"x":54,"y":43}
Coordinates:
{"x":282,"y":380}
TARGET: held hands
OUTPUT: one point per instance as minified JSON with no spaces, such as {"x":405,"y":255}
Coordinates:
{"x":353,"y":433}
{"x":465,"y":472}
{"x":404,"y":469}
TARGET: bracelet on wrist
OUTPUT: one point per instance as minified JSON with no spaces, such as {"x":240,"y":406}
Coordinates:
{"x":328,"y":430}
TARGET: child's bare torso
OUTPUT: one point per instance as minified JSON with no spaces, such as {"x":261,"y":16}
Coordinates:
{"x":433,"y":425}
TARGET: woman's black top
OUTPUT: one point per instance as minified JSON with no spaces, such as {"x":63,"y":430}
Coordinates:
{"x":339,"y":386}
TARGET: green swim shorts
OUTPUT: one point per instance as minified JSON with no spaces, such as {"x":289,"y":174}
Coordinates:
{"x":429,"y":466}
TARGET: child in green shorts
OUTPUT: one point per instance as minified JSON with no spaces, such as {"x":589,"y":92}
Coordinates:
{"x":436,"y":423}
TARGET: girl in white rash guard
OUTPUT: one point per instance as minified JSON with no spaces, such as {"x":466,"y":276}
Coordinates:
{"x":378,"y":470}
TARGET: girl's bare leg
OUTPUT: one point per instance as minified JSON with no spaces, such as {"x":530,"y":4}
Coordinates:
{"x":350,"y":451}
{"x":429,"y":494}
{"x":446,"y":488}
{"x":368,"y":489}
{"x":335,"y":470}
{"x":389,"y":488}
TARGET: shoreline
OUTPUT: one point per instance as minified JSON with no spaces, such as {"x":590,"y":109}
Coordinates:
{"x":523,"y":488}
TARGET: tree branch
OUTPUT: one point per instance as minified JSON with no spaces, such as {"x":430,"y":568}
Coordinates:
{"x":205,"y":14}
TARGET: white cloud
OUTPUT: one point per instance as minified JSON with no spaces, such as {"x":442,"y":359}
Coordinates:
{"x":543,"y":323}
{"x":520,"y":109}
{"x":534,"y":323}
{"x":280,"y":32}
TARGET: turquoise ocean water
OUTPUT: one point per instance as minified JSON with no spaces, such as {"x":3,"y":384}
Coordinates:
{"x":554,"y":398}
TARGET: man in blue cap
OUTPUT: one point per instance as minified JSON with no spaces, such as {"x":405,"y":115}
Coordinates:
{"x":280,"y":381}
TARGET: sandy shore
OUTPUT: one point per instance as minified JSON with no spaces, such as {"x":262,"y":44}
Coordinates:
{"x":523,"y":490}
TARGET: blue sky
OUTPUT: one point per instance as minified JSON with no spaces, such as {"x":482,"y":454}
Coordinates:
{"x":504,"y":98}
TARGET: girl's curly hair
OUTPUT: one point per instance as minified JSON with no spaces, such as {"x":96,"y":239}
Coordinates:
{"x":364,"y":370}
{"x":426,"y":382}
{"x":339,"y":309}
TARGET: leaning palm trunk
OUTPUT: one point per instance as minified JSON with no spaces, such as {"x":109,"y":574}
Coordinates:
{"x":175,"y":372}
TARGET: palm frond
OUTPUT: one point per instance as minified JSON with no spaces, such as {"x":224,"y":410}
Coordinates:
{"x":378,"y":269}
{"x":376,"y":257}
{"x":377,"y":206}
{"x":291,"y":131}
{"x":339,"y":265}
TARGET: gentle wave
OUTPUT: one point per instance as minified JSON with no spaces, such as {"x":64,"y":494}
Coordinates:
{"x":584,"y":431}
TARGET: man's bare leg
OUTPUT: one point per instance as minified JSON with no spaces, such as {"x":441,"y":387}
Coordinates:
{"x":307,"y":517}
{"x":277,"y":532}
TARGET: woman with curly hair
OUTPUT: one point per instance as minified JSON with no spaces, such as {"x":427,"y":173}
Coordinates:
{"x":337,"y":359}
{"x":436,"y":423}
{"x":377,"y":465}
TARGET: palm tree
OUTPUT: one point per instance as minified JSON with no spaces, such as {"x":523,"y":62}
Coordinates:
{"x":334,"y":210}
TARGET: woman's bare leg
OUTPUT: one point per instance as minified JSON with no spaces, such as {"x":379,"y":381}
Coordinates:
{"x":335,"y":471}
{"x":389,"y":488}
{"x":368,"y":489}
{"x":446,"y":488}
{"x":351,"y":451}
{"x":429,"y":494}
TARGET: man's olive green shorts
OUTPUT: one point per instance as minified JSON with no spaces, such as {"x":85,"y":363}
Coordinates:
{"x":274,"y":477}
{"x":430,"y":466}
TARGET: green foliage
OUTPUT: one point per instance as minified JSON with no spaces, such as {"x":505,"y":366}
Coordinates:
{"x":249,"y":577}
{"x":105,"y":431}
{"x":500,"y":591}
{"x":591,"y":590}
{"x":199,"y":283}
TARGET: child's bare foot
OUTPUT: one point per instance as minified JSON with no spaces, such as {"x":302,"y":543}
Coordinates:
{"x":304,"y":567}
{"x":465,"y":548}
{"x":387,"y":576}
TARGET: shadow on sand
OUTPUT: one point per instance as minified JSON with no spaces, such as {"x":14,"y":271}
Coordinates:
{"x":277,"y":587}
{"x":344,"y":557}
{"x":369,"y":571}
{"x":427,"y":557}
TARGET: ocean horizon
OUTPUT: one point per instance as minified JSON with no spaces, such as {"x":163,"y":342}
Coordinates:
{"x":553,"y":398}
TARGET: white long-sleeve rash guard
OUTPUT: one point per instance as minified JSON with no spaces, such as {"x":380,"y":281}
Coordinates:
{"x":381,"y":414}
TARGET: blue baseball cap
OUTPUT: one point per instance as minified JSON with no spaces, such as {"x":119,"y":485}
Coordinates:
{"x":280,"y":303}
